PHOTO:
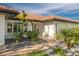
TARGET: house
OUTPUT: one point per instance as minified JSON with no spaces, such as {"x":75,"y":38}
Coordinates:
{"x":47,"y":25}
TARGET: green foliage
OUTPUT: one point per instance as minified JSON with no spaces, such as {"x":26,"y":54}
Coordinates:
{"x":33,"y":35}
{"x":17,"y":36}
{"x":75,"y":35}
{"x":22,"y":16}
{"x":37,"y":53}
{"x":70,"y":36}
{"x":59,"y":51}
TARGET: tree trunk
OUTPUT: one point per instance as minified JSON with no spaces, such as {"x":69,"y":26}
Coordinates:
{"x":65,"y":39}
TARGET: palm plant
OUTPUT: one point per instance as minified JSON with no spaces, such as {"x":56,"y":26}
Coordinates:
{"x":65,"y":33}
{"x":75,"y":35}
{"x":70,"y":36}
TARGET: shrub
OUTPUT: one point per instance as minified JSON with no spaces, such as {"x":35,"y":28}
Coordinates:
{"x":17,"y":36}
{"x":70,"y":36}
{"x":33,"y":35}
{"x":59,"y":51}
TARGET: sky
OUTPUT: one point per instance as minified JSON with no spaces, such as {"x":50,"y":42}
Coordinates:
{"x":68,"y":10}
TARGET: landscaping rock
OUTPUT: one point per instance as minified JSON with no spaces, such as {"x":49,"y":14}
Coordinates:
{"x":50,"y":51}
{"x":76,"y":53}
{"x":72,"y":50}
{"x":69,"y":54}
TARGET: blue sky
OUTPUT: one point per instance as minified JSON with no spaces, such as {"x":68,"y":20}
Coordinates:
{"x":69,"y":10}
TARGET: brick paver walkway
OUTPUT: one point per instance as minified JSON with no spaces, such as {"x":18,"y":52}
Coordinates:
{"x":31,"y":48}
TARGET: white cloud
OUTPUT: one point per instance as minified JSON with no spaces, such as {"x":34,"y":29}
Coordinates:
{"x":66,"y":7}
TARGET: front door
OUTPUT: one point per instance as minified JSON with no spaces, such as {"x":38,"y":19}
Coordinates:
{"x":49,"y":31}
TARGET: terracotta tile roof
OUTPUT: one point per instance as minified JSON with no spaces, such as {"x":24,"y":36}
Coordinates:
{"x":39,"y":18}
{"x":66,"y":19}
{"x":48,"y":18}
{"x":9,"y":10}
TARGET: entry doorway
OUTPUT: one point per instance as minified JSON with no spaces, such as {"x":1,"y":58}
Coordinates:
{"x":49,"y":31}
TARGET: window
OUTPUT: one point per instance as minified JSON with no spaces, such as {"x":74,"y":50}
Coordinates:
{"x":19,"y":27}
{"x":9,"y":27}
{"x":16,"y":27}
{"x":25,"y":27}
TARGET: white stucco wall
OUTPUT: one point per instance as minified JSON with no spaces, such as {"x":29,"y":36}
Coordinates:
{"x":61,"y":25}
{"x":49,"y":28}
{"x":46,"y":29}
{"x":2,"y":29}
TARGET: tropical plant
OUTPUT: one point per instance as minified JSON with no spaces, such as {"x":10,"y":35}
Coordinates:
{"x":65,"y":33}
{"x":70,"y":36}
{"x":17,"y":36}
{"x":33,"y":35}
{"x":22,"y":17}
{"x":59,"y":51}
{"x":75,"y":35}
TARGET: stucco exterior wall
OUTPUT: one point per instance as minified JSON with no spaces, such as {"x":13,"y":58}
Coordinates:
{"x":2,"y":29}
{"x":46,"y":29}
{"x":61,"y":25}
{"x":39,"y":26}
{"x":49,"y":28}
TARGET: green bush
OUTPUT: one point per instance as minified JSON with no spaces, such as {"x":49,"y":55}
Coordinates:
{"x":59,"y":51}
{"x":17,"y":36}
{"x":70,"y":36}
{"x":33,"y":35}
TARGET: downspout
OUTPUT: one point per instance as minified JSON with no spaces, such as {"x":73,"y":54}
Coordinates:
{"x":56,"y":28}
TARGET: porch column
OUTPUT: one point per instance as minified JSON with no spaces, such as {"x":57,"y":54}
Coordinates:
{"x":2,"y":29}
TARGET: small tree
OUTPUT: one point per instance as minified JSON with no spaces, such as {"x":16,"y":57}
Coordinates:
{"x":22,"y":17}
{"x":70,"y":36}
{"x":65,"y":33}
